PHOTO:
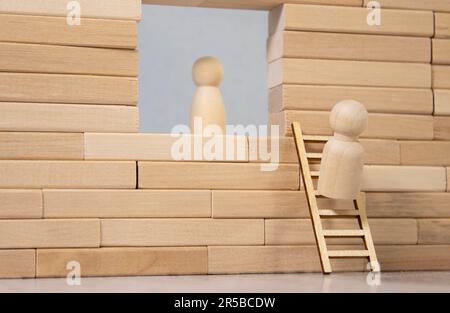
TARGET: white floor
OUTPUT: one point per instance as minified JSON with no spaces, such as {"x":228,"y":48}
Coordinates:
{"x":349,"y":282}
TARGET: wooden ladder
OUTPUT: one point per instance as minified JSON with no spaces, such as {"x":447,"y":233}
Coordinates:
{"x":358,"y":212}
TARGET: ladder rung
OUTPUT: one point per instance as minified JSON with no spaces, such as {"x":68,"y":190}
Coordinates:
{"x":344,"y":233}
{"x":315,"y":174}
{"x":338,"y":213}
{"x":316,"y":156}
{"x":315,"y":138}
{"x":348,"y":253}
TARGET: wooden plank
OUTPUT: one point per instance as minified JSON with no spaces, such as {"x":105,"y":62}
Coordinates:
{"x":441,"y":102}
{"x":401,"y":205}
{"x":181,"y":232}
{"x":22,"y":234}
{"x":44,"y":117}
{"x":432,"y":5}
{"x":441,"y":128}
{"x":376,"y":100}
{"x":316,"y":45}
{"x":123,"y":261}
{"x":33,"y":58}
{"x":300,"y":231}
{"x":190,"y":175}
{"x":41,"y":146}
{"x":441,"y":76}
{"x":21,"y":204}
{"x":381,"y":152}
{"x":159,"y":147}
{"x":349,"y":73}
{"x":54,"y":31}
{"x":386,"y":126}
{"x":67,"y":174}
{"x":17,"y":263}
{"x":448,"y":175}
{"x":115,"y":9}
{"x":425,"y":153}
{"x":441,"y":51}
{"x":404,"y":178}
{"x":126,"y":203}
{"x":57,"y":88}
{"x":337,"y":19}
{"x":442,"y":25}
{"x":434,"y":231}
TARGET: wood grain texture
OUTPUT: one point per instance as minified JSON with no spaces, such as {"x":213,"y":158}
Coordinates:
{"x":431,"y":5}
{"x":442,"y":25}
{"x":300,"y":231}
{"x":41,"y":146}
{"x":434,"y":231}
{"x":181,"y":232}
{"x":338,"y":19}
{"x":376,"y":100}
{"x":381,"y":152}
{"x":126,"y":203}
{"x":17,"y":263}
{"x":404,"y":205}
{"x":105,"y":9}
{"x":349,"y":73}
{"x":441,"y":76}
{"x":386,"y":126}
{"x":67,"y":174}
{"x":425,"y":153}
{"x":317,"y":45}
{"x":441,"y":102}
{"x":442,"y":128}
{"x":33,"y":58}
{"x":78,"y":89}
{"x":163,"y":175}
{"x":123,"y":261}
{"x":404,"y":178}
{"x":21,"y":204}
{"x":42,"y":117}
{"x":54,"y":31}
{"x":159,"y":147}
{"x":441,"y":51}
{"x":22,"y":234}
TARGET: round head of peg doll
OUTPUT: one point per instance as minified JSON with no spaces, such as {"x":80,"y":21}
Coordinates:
{"x":349,"y":118}
{"x":207,"y":71}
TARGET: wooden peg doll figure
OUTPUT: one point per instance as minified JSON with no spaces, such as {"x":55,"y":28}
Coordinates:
{"x":207,"y":105}
{"x":343,"y":156}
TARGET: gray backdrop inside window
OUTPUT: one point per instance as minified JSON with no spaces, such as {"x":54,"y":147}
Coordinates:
{"x":172,"y":38}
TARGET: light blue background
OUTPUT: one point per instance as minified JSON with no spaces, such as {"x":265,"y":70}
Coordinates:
{"x":172,"y":38}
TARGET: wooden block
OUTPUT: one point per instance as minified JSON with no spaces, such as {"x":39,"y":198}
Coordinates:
{"x":126,"y":203}
{"x":158,"y":147}
{"x":57,"y":88}
{"x":251,"y":4}
{"x":441,"y":102}
{"x":21,"y":204}
{"x":442,"y":25}
{"x":261,"y":149}
{"x":67,"y":174}
{"x":381,"y":152}
{"x":41,"y":146}
{"x":163,"y":175}
{"x":404,"y":178}
{"x":448,"y":179}
{"x":300,"y":231}
{"x":115,"y":9}
{"x":376,"y":100}
{"x":418,"y":205}
{"x":441,"y":128}
{"x":22,"y":234}
{"x":124,"y":261}
{"x":349,"y":73}
{"x":316,"y":45}
{"x":434,"y":231}
{"x":441,"y":77}
{"x":68,"y":117}
{"x":337,"y":19}
{"x":33,"y":58}
{"x":17,"y":263}
{"x":388,"y":126}
{"x":441,"y":51}
{"x":102,"y":33}
{"x":181,"y":232}
{"x":425,"y":153}
{"x":431,"y":5}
